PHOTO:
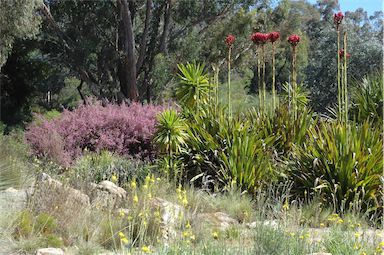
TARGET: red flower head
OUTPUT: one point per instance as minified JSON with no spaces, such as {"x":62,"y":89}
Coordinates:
{"x":273,"y":36}
{"x":259,"y":38}
{"x":338,"y":18}
{"x":341,"y":54}
{"x":229,"y":40}
{"x":294,"y":39}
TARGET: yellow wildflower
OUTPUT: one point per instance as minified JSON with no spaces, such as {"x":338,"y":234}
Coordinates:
{"x":215,"y":235}
{"x":135,"y":199}
{"x":145,"y":249}
{"x":124,"y":240}
{"x":129,"y":218}
{"x":363,"y":253}
{"x":340,"y":221}
{"x":133,"y":184}
{"x":301,"y":237}
{"x":147,"y":179}
{"x":357,"y":234}
{"x":184,"y":201}
{"x":192,"y":237}
{"x":185,"y":234}
{"x":381,"y":244}
{"x":121,"y":234}
{"x":145,"y":186}
{"x":188,"y":226}
{"x":121,"y":214}
{"x":149,"y":195}
{"x":292,"y":234}
{"x":158,"y":179}
{"x":322,"y":225}
{"x":114,"y":178}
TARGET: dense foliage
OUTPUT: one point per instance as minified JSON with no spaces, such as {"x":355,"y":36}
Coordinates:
{"x":122,"y":129}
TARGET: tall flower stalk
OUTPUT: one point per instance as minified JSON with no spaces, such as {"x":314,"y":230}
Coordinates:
{"x":345,"y":57}
{"x":294,"y":40}
{"x":260,"y":39}
{"x":337,"y":19}
{"x":229,"y":40}
{"x":273,"y":37}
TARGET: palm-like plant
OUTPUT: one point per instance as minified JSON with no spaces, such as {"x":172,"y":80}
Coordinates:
{"x":171,"y":132}
{"x":194,"y":85}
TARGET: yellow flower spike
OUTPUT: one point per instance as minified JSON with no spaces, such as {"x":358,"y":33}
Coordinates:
{"x":147,"y":179}
{"x":121,"y":214}
{"x":357,"y":234}
{"x":153,"y":178}
{"x":215,"y":235}
{"x":145,"y":249}
{"x":363,"y":253}
{"x":133,"y":184}
{"x":184,"y":201}
{"x":135,"y":199}
{"x":124,"y":240}
{"x":121,"y":234}
{"x":145,"y":186}
{"x":340,"y":221}
{"x":114,"y":178}
{"x":301,"y":237}
{"x":381,"y":244}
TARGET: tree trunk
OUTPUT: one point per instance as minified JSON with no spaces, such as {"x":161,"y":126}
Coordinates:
{"x":167,"y":23}
{"x":143,"y":42}
{"x":126,"y":44}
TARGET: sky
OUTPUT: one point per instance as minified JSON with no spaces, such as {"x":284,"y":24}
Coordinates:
{"x":351,"y":5}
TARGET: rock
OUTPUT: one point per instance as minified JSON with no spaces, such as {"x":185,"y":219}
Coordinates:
{"x":50,"y":251}
{"x":218,"y":220}
{"x":106,"y":195}
{"x":170,"y":215}
{"x":269,"y":223}
{"x":66,"y":204}
{"x":12,"y":200}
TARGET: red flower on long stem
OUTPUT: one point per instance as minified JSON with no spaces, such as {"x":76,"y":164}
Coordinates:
{"x":259,"y":38}
{"x":341,"y":54}
{"x":273,"y":36}
{"x":338,"y":18}
{"x":294,"y":39}
{"x":230,"y":39}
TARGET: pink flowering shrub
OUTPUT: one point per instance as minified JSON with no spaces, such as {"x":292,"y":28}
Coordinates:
{"x":123,"y":129}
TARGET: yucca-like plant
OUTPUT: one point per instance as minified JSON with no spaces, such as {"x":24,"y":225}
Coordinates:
{"x":171,"y":132}
{"x":170,"y":137}
{"x":367,"y":99}
{"x":341,"y":166}
{"x":194,"y":85}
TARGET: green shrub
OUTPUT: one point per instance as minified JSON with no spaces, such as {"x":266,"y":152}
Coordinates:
{"x":342,"y":165}
{"x":367,"y":99}
{"x":96,"y":167}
